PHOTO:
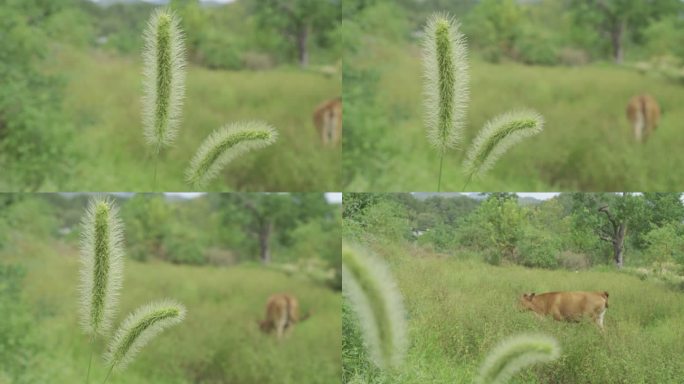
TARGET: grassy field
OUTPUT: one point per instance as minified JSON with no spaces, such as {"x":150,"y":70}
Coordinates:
{"x":458,"y":310}
{"x":219,"y":342}
{"x":102,"y":98}
{"x":587,"y":143}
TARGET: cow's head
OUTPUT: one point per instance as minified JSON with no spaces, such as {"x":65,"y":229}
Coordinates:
{"x":265,"y":326}
{"x":525,"y":301}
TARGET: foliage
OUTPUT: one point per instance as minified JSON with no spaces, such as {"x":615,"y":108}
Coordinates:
{"x":566,"y":231}
{"x":665,"y":243}
{"x":35,"y":138}
{"x":18,"y":345}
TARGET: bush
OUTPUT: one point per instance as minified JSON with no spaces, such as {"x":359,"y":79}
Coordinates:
{"x":534,"y":46}
{"x":573,"y":261}
{"x":185,"y":248}
{"x":257,"y":61}
{"x":441,"y":237}
{"x":573,"y":57}
{"x":538,"y":249}
{"x":17,"y":348}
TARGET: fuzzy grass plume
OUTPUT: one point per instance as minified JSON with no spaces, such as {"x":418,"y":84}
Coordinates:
{"x":164,"y":78}
{"x":514,"y":354}
{"x":224,"y":145}
{"x":497,"y":136}
{"x":446,"y":83}
{"x":377,"y":301}
{"x":139,"y":328}
{"x":101,"y":265}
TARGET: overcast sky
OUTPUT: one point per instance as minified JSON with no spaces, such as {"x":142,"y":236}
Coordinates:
{"x":539,"y":196}
{"x":332,"y":197}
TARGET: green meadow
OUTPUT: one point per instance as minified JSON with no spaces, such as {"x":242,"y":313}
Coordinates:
{"x":586,"y":145}
{"x":102,"y":99}
{"x":459,"y":308}
{"x":219,"y":341}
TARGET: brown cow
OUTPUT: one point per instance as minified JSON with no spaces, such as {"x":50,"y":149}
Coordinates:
{"x":327,"y":119}
{"x":568,"y":306}
{"x":282,"y":313}
{"x":643,"y":113}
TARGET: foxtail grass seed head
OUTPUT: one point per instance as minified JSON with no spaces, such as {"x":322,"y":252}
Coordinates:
{"x":378,"y":303}
{"x":497,"y":136}
{"x":164,"y":78}
{"x":446,"y":81}
{"x":516,"y":353}
{"x":101,"y":265}
{"x":139,"y":328}
{"x":226,"y":144}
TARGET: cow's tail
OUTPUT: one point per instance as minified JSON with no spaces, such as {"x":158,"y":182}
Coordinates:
{"x":605,"y":295}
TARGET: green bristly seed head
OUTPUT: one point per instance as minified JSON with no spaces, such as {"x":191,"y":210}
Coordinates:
{"x":516,"y":353}
{"x":101,"y":265}
{"x":498,"y":136}
{"x":446,"y":81}
{"x":377,"y":301}
{"x":226,"y":144}
{"x":139,"y":328}
{"x":164,"y":78}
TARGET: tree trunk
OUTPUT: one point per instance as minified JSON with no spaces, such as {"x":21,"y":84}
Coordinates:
{"x":264,"y":239}
{"x":302,"y":45}
{"x":619,"y":245}
{"x":616,"y":36}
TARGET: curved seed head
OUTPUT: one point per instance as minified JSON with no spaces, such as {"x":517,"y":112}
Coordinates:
{"x":139,"y":328}
{"x":378,"y":303}
{"x":497,"y":136}
{"x":516,"y":353}
{"x":446,"y":81}
{"x":164,"y":78}
{"x":101,"y":265}
{"x":226,"y":144}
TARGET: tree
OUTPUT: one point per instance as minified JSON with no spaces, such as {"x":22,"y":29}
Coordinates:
{"x":272,"y":216}
{"x":610,"y":216}
{"x":613,"y":19}
{"x":298,"y":20}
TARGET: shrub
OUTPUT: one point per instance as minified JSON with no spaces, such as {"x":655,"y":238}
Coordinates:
{"x":538,"y":249}
{"x":535,"y":46}
{"x":573,"y":56}
{"x":573,"y":260}
{"x":185,"y":248}
{"x":257,"y":61}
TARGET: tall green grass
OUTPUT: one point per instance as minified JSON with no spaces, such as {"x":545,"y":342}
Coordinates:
{"x":102,"y":99}
{"x":587,"y":142}
{"x":219,"y":343}
{"x":459,"y":310}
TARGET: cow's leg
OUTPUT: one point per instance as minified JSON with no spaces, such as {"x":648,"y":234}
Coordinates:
{"x":280,"y":326}
{"x":600,"y":318}
{"x":557,"y":315}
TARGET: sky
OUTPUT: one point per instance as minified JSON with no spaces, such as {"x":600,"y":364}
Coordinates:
{"x":332,"y":197}
{"x":539,"y":195}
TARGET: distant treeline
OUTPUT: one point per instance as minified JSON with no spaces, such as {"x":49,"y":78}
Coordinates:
{"x":244,"y":34}
{"x":547,"y":32}
{"x":219,"y":229}
{"x":571,"y":230}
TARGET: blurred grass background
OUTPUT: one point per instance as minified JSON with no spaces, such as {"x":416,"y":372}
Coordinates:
{"x":70,"y":103}
{"x":222,"y":285}
{"x":587,"y":143}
